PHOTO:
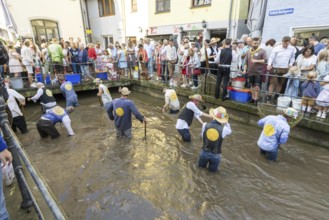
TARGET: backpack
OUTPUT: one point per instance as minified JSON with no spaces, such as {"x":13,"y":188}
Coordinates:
{"x":4,"y":58}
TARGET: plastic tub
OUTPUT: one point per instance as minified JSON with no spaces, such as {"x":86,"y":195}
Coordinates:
{"x":283,"y":102}
{"x":17,"y":83}
{"x":73,"y":78}
{"x":40,"y":78}
{"x":240,"y":95}
{"x":135,"y":73}
{"x":238,"y":82}
{"x":102,"y":75}
{"x":297,"y":104}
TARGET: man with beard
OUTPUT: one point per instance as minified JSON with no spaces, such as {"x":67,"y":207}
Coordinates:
{"x":255,"y":59}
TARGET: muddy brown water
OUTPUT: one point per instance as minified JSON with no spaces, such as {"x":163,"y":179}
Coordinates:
{"x":93,"y":175}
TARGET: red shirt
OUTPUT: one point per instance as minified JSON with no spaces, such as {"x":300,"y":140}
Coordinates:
{"x":92,"y":53}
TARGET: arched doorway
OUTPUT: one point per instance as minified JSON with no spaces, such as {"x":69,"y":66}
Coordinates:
{"x":44,"y":30}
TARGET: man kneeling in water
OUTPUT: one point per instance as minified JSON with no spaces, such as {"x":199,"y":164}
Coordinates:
{"x":47,"y":122}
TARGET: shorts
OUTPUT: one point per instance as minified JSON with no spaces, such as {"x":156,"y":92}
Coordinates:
{"x":308,"y":101}
{"x":255,"y":80}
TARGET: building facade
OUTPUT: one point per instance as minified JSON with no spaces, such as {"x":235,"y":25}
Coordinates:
{"x":117,"y":20}
{"x":196,"y":18}
{"x":43,"y":20}
{"x":296,"y":18}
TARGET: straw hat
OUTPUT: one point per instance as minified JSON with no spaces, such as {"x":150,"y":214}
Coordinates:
{"x":311,"y":75}
{"x":219,"y":114}
{"x":98,"y":81}
{"x":214,"y":40}
{"x":125,"y":91}
{"x":196,"y":97}
{"x":291,"y":112}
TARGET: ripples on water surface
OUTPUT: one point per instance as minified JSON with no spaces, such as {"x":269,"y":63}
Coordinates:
{"x":95,"y":176}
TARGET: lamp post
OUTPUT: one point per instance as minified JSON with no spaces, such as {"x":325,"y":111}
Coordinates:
{"x":204,"y":24}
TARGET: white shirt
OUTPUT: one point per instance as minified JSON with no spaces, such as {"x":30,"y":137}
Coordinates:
{"x":172,"y":99}
{"x":169,"y":52}
{"x":226,"y":129}
{"x":182,"y":124}
{"x":282,"y":57}
{"x":106,"y":96}
{"x":26,"y":54}
{"x":303,"y":62}
{"x":12,"y":104}
{"x":235,"y":60}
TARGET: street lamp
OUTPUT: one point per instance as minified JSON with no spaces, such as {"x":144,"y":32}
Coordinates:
{"x":140,"y":29}
{"x":181,"y":29}
{"x":204,"y":24}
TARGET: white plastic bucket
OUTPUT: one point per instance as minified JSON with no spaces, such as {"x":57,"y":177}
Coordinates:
{"x":238,"y":83}
{"x":297,"y":104}
{"x":17,"y":83}
{"x":135,"y":74}
{"x":283,"y":102}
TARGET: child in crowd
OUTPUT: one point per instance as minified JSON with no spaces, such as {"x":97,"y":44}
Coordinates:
{"x":105,"y":60}
{"x":323,"y":98}
{"x":310,"y":89}
{"x":194,"y":67}
{"x":293,"y":82}
{"x":186,"y":69}
{"x":111,"y":73}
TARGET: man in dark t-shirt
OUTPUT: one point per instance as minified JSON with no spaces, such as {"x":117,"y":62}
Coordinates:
{"x":254,"y":66}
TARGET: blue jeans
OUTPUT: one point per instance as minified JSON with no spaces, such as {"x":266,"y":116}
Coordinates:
{"x":206,"y":157}
{"x":3,"y":211}
{"x":270,"y":155}
{"x":123,"y":133}
{"x":150,"y":66}
{"x":2,"y":71}
{"x":185,"y":133}
{"x":76,"y":68}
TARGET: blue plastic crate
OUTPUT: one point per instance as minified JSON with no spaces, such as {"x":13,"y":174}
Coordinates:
{"x":243,"y":95}
{"x":73,"y":78}
{"x":40,"y":78}
{"x":102,"y":75}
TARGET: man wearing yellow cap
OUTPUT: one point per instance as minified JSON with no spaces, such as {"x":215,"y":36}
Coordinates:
{"x":275,"y":132}
{"x":185,"y":118}
{"x":120,"y":111}
{"x":213,"y":134}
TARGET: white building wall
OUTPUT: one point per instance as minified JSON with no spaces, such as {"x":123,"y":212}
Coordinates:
{"x":66,"y":13}
{"x":106,"y":26}
{"x":306,"y":14}
{"x":137,"y":22}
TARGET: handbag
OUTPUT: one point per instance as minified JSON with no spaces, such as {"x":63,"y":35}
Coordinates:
{"x":196,"y":71}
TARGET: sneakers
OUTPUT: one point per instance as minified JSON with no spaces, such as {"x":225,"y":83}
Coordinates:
{"x":193,"y":87}
{"x":319,"y":114}
{"x":324,"y":115}
{"x":307,"y":114}
{"x":183,"y":86}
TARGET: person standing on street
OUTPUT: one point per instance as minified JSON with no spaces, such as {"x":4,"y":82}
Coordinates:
{"x":254,"y":66}
{"x":281,"y":59}
{"x":120,"y":111}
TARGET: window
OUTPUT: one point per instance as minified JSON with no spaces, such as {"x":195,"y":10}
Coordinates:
{"x":106,"y":8}
{"x":196,"y":3}
{"x":107,"y":40}
{"x":133,"y":5}
{"x":162,"y":6}
{"x":44,"y":30}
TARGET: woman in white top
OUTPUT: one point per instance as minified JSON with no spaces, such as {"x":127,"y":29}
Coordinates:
{"x":27,"y":60}
{"x":306,"y":61}
{"x":14,"y":63}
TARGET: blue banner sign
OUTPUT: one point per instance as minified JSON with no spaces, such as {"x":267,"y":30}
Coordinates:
{"x":285,"y":11}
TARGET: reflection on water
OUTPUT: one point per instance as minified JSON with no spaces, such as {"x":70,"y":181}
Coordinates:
{"x":96,"y":176}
